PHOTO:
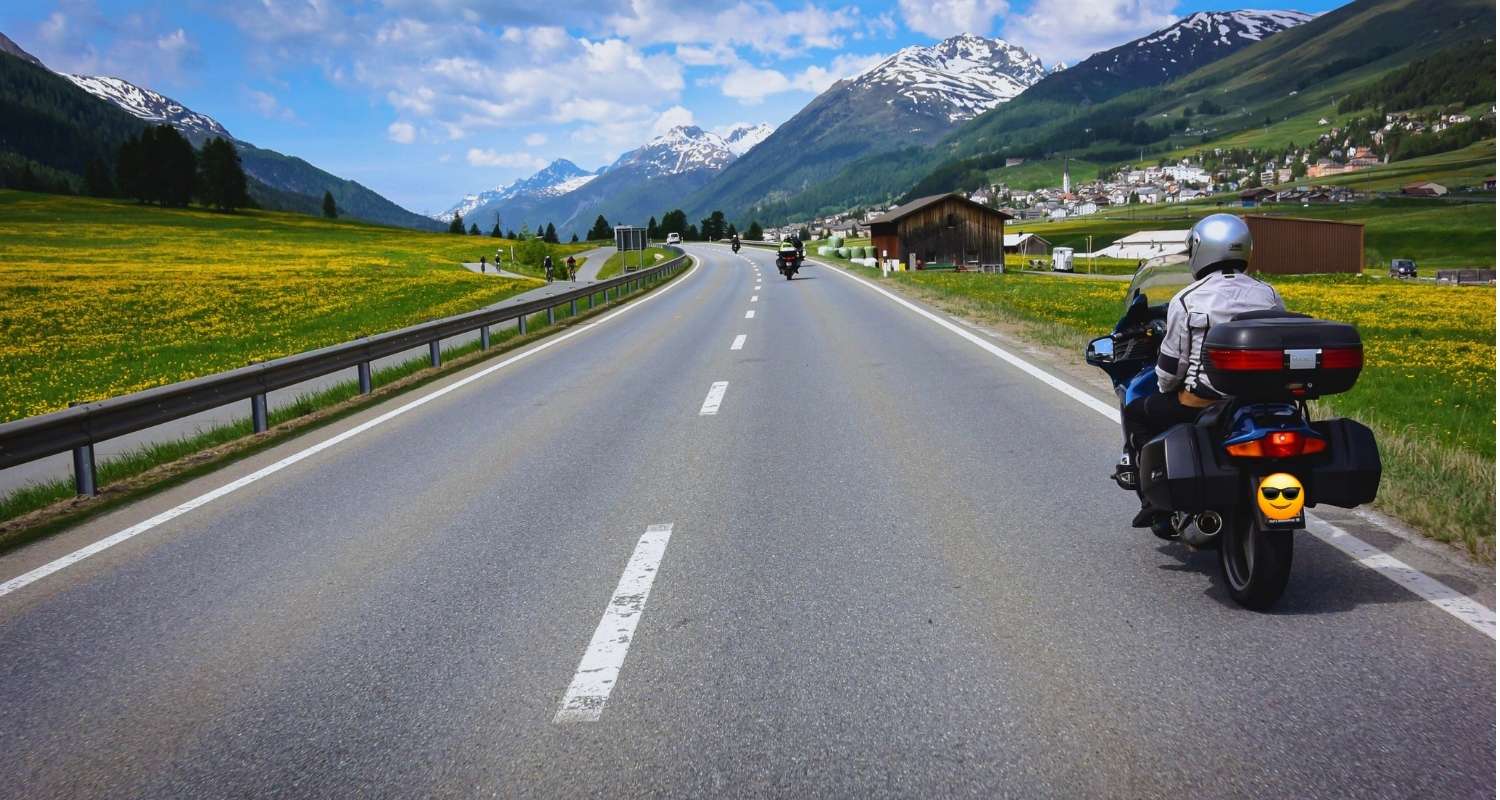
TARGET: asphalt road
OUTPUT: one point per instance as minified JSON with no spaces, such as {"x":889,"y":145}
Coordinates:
{"x":894,"y":568}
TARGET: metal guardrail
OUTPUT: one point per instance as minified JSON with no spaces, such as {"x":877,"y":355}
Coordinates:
{"x":80,"y":427}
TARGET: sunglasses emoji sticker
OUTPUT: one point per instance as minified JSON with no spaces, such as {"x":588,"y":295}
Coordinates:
{"x":1280,"y":496}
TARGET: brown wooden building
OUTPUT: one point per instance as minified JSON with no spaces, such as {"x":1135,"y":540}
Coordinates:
{"x":941,"y":229}
{"x":1292,"y":246}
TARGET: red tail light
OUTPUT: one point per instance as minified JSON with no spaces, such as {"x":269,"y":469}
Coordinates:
{"x":1343,"y":358}
{"x":1279,"y":444}
{"x":1246,"y":360}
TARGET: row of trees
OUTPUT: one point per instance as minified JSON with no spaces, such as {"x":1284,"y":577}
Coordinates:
{"x":160,"y":166}
{"x":714,"y":227}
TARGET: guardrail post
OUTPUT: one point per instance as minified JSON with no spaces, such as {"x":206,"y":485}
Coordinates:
{"x":550,"y":317}
{"x":435,"y":353}
{"x":366,"y":385}
{"x":258,"y":420}
{"x":573,"y":308}
{"x":484,"y":337}
{"x":521,"y":324}
{"x":84,"y":471}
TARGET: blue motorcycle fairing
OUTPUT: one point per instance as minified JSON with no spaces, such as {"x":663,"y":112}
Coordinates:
{"x":1144,"y":384}
{"x":1254,"y":421}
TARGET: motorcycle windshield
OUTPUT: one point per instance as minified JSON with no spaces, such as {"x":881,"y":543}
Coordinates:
{"x":1159,"y":279}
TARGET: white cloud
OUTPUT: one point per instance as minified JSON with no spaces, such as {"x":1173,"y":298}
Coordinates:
{"x":671,"y":118}
{"x":489,"y":158}
{"x":269,"y":107}
{"x":751,"y":85}
{"x":1088,"y":27}
{"x":756,"y":24}
{"x":136,"y":46}
{"x":536,"y":139}
{"x":402,"y":132}
{"x":943,"y":18}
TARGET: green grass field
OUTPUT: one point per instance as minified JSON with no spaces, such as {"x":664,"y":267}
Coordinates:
{"x":618,"y":261}
{"x":1428,"y":387}
{"x":1437,"y":233}
{"x":100,"y":298}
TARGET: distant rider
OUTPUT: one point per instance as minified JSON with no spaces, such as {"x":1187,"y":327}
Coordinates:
{"x":1218,"y":254}
{"x":547,"y":267}
{"x":572,"y":269}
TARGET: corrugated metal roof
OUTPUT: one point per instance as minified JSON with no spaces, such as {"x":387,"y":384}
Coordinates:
{"x":922,"y":202}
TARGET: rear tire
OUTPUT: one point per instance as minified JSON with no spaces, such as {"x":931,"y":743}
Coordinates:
{"x":1255,"y":563}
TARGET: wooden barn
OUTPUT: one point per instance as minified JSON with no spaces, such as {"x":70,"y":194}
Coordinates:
{"x":1297,"y":246}
{"x":947,"y":229}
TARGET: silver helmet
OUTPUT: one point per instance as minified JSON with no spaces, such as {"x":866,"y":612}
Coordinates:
{"x":1218,"y":241}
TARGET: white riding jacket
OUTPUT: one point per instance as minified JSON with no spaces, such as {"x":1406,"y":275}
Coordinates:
{"x":1200,"y":305}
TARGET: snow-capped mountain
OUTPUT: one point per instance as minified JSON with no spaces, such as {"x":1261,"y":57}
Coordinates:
{"x":958,"y":78}
{"x":1192,"y":42}
{"x":554,"y":180}
{"x":740,"y":138}
{"x":685,"y":148}
{"x":151,"y":106}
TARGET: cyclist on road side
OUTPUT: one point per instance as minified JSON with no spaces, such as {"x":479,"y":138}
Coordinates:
{"x":547,"y":266}
{"x":572,"y":269}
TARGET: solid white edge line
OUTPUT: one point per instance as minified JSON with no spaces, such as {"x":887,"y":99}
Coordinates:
{"x":1462,"y":607}
{"x":25,"y":579}
{"x":714,"y":399}
{"x":739,"y":342}
{"x":599,"y":668}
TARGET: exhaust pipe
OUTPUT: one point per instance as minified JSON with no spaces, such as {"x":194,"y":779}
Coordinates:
{"x":1202,"y":530}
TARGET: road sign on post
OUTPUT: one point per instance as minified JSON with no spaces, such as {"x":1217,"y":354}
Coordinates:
{"x":627,"y":238}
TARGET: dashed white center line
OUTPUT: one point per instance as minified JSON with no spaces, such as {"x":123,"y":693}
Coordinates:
{"x":754,"y":298}
{"x":600,"y":666}
{"x":739,"y":342}
{"x":750,"y":314}
{"x":714,"y":398}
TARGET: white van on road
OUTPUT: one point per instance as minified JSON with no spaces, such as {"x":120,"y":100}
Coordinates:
{"x":673,"y":238}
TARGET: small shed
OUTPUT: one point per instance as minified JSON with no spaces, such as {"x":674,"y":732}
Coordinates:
{"x":1251,"y":198}
{"x":1293,"y":246}
{"x":1424,"y":189}
{"x":941,"y":229}
{"x":1026,"y":244}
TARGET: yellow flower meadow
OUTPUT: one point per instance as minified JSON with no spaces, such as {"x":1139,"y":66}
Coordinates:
{"x":99,"y":298}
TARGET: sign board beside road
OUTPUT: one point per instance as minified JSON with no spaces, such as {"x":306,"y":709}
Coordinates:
{"x":628,"y":237}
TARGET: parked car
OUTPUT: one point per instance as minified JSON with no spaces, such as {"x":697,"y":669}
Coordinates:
{"x":673,"y":238}
{"x":1403,"y":268}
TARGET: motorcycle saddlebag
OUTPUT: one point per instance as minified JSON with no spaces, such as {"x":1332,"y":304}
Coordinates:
{"x":1351,"y":474}
{"x":1180,"y":471}
{"x":1263,"y":358}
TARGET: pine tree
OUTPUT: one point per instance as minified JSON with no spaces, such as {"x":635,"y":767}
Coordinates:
{"x":474,"y":229}
{"x":732,"y":232}
{"x":550,"y":237}
{"x":601,"y":230}
{"x":574,"y":240}
{"x":223,"y":181}
{"x":96,"y":180}
{"x":652,"y":231}
{"x":172,"y":167}
{"x":510,"y":235}
{"x":457,"y":223}
{"x":130,"y":169}
{"x":330,"y":208}
{"x":755,"y":232}
{"x":495,"y":231}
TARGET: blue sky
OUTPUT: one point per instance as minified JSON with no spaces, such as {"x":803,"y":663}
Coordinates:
{"x":427,"y":100}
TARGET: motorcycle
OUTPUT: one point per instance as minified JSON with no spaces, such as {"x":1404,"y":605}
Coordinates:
{"x":1239,"y":478}
{"x":787,"y":262}
{"x":735,"y":246}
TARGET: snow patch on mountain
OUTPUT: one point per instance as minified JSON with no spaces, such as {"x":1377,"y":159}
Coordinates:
{"x":740,"y":138}
{"x":958,"y":78}
{"x":151,"y":106}
{"x":1219,"y":28}
{"x":685,"y":148}
{"x":554,"y":180}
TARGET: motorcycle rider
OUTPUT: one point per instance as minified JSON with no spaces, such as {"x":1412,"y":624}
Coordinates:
{"x":734,"y":242}
{"x":1218,"y":254}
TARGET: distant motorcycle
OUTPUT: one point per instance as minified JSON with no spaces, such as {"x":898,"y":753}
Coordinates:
{"x":735,"y":246}
{"x":1238,"y":478}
